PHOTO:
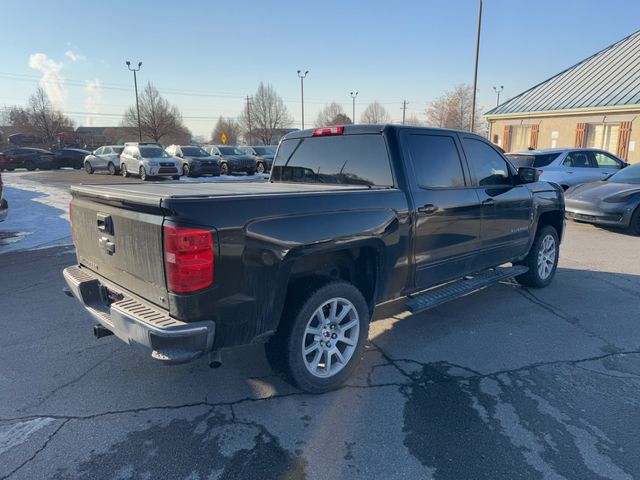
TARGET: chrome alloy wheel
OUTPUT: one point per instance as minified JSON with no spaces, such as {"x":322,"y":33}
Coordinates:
{"x":330,"y":338}
{"x":546,"y":257}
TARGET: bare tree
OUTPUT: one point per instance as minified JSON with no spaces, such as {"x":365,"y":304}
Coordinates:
{"x":158,"y":118}
{"x":413,"y":120}
{"x":41,"y":118}
{"x":264,"y":116}
{"x":453,"y":110}
{"x":332,"y":114}
{"x":228,"y":126}
{"x":375,"y":113}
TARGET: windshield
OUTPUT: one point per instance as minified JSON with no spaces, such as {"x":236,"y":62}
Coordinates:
{"x":152,"y":152}
{"x":194,"y":152}
{"x":530,"y":160}
{"x":265,"y":150}
{"x":231,"y":151}
{"x":627,"y":175}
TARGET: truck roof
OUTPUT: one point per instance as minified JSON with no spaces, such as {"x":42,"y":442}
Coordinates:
{"x":359,"y":129}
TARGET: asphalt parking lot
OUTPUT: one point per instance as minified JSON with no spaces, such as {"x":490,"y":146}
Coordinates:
{"x":505,"y":383}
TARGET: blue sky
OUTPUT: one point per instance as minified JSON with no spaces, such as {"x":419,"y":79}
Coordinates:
{"x":206,"y":56}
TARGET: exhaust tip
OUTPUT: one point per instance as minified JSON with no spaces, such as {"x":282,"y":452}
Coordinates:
{"x":215,"y":359}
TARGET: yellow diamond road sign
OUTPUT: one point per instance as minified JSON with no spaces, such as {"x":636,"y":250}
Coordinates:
{"x":223,"y":138}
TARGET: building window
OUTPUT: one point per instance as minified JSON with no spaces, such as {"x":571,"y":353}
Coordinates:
{"x":603,"y":136}
{"x":520,"y":137}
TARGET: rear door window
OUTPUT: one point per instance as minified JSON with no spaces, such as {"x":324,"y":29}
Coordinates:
{"x":487,"y":166}
{"x":578,"y":160}
{"x":340,"y":159}
{"x":436,"y":161}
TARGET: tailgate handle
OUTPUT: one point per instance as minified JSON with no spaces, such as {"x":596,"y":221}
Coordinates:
{"x":105,"y":223}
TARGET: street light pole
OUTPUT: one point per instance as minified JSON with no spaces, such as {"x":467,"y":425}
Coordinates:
{"x":475,"y":72}
{"x":498,"y":91}
{"x":353,"y":111}
{"x":302,"y":77}
{"x":135,"y":84}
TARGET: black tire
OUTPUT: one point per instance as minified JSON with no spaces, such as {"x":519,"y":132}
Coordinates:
{"x":634,"y":224}
{"x":285,"y":349}
{"x":143,"y":174}
{"x":260,"y":167}
{"x":224,"y":169}
{"x":30,"y":166}
{"x":123,"y":170}
{"x":88,"y":168}
{"x":77,"y":166}
{"x":539,"y":276}
{"x":112,"y":169}
{"x":175,"y":177}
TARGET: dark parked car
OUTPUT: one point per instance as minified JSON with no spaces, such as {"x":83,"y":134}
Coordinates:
{"x":613,"y":202}
{"x":4,"y":206}
{"x":232,"y":159}
{"x":70,"y":157}
{"x":352,"y":217}
{"x":29,"y":158}
{"x":263,"y":154}
{"x":195,"y":160}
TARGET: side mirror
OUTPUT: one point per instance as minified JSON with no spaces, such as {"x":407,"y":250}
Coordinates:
{"x":527,"y":175}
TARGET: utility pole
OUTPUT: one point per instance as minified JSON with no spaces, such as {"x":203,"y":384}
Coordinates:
{"x":135,"y":84}
{"x":249,"y":118}
{"x":353,"y":111}
{"x":498,"y":91}
{"x":302,"y":77}
{"x":475,"y":71}
{"x":404,"y":110}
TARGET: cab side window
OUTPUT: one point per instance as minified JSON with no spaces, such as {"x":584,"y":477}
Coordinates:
{"x":604,"y":160}
{"x":578,"y":160}
{"x":487,"y":166}
{"x":436,"y":161}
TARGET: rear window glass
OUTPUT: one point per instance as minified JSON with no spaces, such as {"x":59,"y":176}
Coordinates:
{"x":348,"y":159}
{"x":532,"y":160}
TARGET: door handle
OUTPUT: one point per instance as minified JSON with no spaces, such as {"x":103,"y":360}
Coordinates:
{"x":428,"y":209}
{"x":489,"y":202}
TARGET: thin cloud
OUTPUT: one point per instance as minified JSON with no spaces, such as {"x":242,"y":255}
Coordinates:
{"x":92,"y":101}
{"x":75,"y":57}
{"x":51,"y":81}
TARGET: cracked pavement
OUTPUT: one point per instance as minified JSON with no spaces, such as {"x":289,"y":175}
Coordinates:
{"x":502,"y":384}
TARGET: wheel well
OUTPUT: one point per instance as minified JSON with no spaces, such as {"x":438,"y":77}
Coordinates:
{"x":555,"y":219}
{"x":355,"y":265}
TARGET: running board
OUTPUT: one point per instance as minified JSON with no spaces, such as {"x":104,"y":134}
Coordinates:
{"x":450,"y":291}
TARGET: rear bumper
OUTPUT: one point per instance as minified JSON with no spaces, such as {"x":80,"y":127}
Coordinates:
{"x":136,"y":323}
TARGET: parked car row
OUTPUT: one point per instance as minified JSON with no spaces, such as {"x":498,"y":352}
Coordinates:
{"x":600,"y":188}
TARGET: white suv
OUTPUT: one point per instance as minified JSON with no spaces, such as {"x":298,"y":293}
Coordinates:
{"x":148,"y":160}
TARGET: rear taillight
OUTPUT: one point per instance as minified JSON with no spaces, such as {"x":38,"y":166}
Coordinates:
{"x":321,"y":132}
{"x":71,"y":225}
{"x":188,"y":258}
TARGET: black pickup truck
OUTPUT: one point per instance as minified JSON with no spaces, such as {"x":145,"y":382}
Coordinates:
{"x":351,"y":217}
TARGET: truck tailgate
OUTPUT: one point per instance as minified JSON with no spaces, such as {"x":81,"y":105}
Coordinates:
{"x":121,"y":240}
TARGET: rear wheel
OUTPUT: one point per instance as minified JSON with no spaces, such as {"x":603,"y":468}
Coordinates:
{"x":88,"y":167}
{"x":29,"y":165}
{"x":542,"y":259}
{"x":123,"y":170}
{"x":321,"y":337}
{"x":143,"y":174}
{"x":634,"y":225}
{"x":112,"y":169}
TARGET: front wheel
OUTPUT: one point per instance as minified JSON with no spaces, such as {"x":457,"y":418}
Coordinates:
{"x":123,"y":170}
{"x":143,"y":174}
{"x":224,"y":169}
{"x":542,"y":259}
{"x":260,"y":167}
{"x":88,"y":168}
{"x":321,"y":338}
{"x":30,"y":166}
{"x":185,"y":170}
{"x":634,"y":224}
